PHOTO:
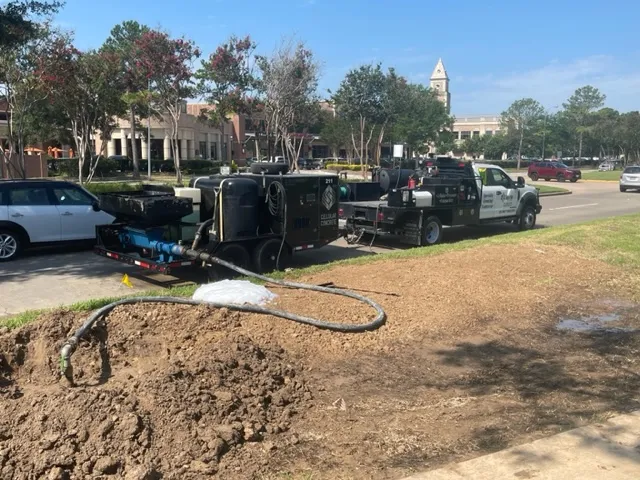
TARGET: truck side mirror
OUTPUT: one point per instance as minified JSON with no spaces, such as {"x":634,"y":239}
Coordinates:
{"x":520,"y":182}
{"x":95,"y":206}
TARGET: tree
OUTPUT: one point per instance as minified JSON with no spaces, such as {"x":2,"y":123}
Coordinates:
{"x":122,"y":42}
{"x":226,"y":79}
{"x":19,"y":21}
{"x":335,"y":132}
{"x":167,"y":64}
{"x":360,"y":100}
{"x":628,"y":135}
{"x":85,"y":88}
{"x":519,"y":119}
{"x":579,"y":110}
{"x":420,"y":118}
{"x":474,"y":146}
{"x":446,"y":141}
{"x":288,"y":83}
{"x":494,"y":146}
{"x":22,"y":73}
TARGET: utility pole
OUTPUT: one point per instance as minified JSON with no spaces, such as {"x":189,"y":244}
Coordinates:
{"x":544,"y":129}
{"x":149,"y":132}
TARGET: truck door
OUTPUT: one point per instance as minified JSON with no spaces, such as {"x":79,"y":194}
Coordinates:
{"x":489,"y":197}
{"x":505,"y":203}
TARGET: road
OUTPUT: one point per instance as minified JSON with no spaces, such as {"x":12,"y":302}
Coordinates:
{"x":44,"y":279}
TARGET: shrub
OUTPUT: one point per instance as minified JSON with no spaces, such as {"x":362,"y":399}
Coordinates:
{"x":338,"y":167}
{"x":103,"y":187}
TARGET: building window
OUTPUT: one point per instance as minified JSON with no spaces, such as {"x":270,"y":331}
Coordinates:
{"x":203,"y":149}
{"x":465,"y":134}
{"x":214,"y":151}
{"x":488,"y":132}
{"x":476,"y":133}
{"x":248,"y":125}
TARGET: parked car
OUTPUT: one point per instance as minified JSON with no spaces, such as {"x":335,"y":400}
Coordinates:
{"x":36,"y":212}
{"x":555,"y":170}
{"x":630,"y":178}
{"x":606,"y":167}
{"x":278,"y":160}
{"x":309,"y":163}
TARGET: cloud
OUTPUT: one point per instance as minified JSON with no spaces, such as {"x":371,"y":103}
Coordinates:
{"x":550,"y":84}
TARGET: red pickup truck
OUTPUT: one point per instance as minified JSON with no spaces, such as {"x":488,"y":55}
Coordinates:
{"x":556,"y":170}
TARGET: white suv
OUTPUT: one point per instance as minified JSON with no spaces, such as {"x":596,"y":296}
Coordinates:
{"x":630,"y":178}
{"x":43,"y":212}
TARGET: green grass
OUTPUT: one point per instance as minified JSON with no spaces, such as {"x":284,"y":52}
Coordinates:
{"x":612,"y":176}
{"x":546,"y":189}
{"x":613,"y":240}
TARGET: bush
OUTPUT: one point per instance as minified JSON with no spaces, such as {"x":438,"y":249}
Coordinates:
{"x":338,"y":167}
{"x":103,"y":187}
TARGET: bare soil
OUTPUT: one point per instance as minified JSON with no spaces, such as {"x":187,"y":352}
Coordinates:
{"x":468,"y":363}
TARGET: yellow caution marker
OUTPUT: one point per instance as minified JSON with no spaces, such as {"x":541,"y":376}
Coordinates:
{"x":126,"y":281}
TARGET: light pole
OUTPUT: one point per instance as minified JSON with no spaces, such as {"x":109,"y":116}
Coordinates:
{"x":149,"y":132}
{"x":544,"y":129}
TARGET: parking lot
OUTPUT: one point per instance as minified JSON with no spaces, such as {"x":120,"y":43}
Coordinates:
{"x":49,"y":278}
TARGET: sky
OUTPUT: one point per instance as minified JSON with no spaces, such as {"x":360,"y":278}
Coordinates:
{"x":495,"y":52}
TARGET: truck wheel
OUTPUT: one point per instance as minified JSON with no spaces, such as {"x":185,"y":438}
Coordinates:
{"x":432,"y":232}
{"x":265,"y":256}
{"x":622,"y":189}
{"x":534,"y":177}
{"x":527,"y":218}
{"x":233,"y":253}
{"x":574,"y":180}
{"x":10,"y":245}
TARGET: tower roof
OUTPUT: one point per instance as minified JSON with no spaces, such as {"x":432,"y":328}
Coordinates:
{"x":439,"y":72}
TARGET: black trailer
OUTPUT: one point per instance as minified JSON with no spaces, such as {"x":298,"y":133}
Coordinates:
{"x":446,"y":192}
{"x":255,"y":221}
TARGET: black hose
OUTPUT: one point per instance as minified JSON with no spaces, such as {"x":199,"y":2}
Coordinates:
{"x":203,"y":226}
{"x":71,"y":344}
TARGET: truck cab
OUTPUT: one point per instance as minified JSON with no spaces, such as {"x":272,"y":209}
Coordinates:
{"x":501,"y":196}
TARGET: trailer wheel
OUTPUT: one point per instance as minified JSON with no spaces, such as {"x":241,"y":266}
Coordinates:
{"x":233,"y":253}
{"x":432,"y":232}
{"x":265,"y":256}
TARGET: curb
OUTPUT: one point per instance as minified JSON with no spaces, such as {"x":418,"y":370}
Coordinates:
{"x":556,"y":194}
{"x":600,"y":181}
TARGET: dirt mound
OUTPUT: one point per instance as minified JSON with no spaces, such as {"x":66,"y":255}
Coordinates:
{"x":162,"y":392}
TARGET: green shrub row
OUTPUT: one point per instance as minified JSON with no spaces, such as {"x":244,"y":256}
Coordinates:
{"x":68,"y":167}
{"x":338,"y":167}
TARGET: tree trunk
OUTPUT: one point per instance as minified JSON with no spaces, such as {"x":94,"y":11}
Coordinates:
{"x":379,"y":145}
{"x":520,"y":149}
{"x":579,"y":150}
{"x":134,"y":150}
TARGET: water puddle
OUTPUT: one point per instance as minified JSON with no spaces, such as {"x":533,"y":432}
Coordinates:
{"x":593,"y":323}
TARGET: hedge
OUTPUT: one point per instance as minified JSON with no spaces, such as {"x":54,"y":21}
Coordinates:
{"x":337,"y":167}
{"x":68,"y":167}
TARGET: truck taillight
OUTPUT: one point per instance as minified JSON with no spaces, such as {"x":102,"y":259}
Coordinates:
{"x":341,"y":212}
{"x":380,"y":216}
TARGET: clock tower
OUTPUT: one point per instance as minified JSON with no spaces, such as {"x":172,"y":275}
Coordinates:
{"x":439,"y":82}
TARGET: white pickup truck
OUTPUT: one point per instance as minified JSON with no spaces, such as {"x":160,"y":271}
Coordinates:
{"x":453,"y":193}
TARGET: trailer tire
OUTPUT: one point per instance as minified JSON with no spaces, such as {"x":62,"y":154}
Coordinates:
{"x":265,"y":256}
{"x":432,"y":231}
{"x":234,"y":253}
